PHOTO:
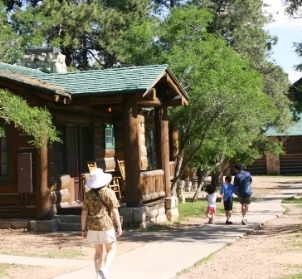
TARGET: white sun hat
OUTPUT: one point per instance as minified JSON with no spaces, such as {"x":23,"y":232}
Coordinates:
{"x":98,"y":179}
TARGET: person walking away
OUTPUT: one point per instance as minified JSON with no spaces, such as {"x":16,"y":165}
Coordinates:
{"x":100,"y":203}
{"x":226,"y":192}
{"x":211,"y":208}
{"x":242,"y":183}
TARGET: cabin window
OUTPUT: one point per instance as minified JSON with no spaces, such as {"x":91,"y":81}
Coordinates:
{"x":4,"y":152}
{"x":294,"y":145}
{"x":109,"y":137}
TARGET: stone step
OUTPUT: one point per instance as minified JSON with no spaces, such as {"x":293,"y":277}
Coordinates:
{"x":68,"y":218}
{"x":68,"y":222}
{"x":69,"y":227}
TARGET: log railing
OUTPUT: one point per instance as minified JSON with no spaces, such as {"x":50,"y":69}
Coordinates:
{"x":152,"y":184}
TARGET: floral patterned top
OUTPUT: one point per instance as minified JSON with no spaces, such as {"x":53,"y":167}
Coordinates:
{"x":98,"y":218}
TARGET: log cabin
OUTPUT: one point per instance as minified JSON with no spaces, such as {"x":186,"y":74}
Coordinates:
{"x":102,"y":116}
{"x":290,"y":162}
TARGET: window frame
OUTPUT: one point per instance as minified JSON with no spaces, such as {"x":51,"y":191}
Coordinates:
{"x":109,"y":138}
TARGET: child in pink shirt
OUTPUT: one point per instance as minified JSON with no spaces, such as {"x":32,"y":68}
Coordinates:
{"x":211,"y":208}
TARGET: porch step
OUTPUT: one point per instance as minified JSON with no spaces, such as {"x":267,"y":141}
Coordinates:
{"x":68,"y":222}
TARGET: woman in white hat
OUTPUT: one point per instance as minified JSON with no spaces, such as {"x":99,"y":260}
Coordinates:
{"x":100,"y":203}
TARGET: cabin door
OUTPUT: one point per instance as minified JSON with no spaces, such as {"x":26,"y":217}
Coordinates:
{"x":79,"y":150}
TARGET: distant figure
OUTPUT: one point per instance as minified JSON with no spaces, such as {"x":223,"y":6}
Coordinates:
{"x":99,"y":204}
{"x":226,"y":192}
{"x":242,"y":183}
{"x":211,"y":208}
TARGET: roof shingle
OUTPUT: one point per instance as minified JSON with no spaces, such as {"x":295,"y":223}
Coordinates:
{"x":109,"y":81}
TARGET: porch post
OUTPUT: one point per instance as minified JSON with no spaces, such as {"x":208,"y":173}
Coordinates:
{"x":134,"y":194}
{"x":162,"y":148}
{"x":43,"y":197}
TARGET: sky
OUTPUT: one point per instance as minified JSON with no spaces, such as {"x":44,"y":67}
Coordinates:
{"x":288,"y":31}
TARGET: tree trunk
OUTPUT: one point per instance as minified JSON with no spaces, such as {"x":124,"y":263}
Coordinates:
{"x":178,"y":173}
{"x":202,"y":178}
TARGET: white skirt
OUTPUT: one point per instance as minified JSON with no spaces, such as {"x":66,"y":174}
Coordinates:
{"x":101,"y":237}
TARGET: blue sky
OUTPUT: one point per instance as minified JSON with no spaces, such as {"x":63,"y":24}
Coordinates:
{"x":288,"y":31}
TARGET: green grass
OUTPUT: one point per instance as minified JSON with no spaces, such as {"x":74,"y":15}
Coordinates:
{"x":293,"y":200}
{"x":197,"y":209}
{"x":296,"y":239}
{"x":69,"y":253}
{"x":295,"y":276}
{"x":3,"y":269}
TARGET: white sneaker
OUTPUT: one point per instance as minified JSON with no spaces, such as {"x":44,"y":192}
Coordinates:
{"x":244,"y":222}
{"x":103,"y":274}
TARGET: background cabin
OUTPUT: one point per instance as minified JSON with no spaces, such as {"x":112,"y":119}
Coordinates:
{"x":289,"y":163}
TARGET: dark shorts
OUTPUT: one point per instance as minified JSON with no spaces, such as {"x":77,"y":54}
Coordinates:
{"x":228,"y":204}
{"x":245,"y":200}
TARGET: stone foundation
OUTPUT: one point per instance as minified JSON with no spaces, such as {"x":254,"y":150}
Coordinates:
{"x":150,"y":214}
{"x":31,"y":225}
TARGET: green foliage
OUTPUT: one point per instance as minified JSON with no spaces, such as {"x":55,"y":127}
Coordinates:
{"x":242,"y":26}
{"x":36,"y":122}
{"x":10,"y":42}
{"x":136,"y":45}
{"x":227,"y":106}
{"x":293,"y":200}
{"x":298,"y":50}
{"x":294,"y":8}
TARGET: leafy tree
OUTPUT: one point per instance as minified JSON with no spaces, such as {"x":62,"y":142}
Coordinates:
{"x":9,"y":40}
{"x":294,"y":9}
{"x":36,"y":122}
{"x":241,"y":23}
{"x":228,"y":108}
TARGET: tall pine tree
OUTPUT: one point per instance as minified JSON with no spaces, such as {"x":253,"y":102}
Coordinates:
{"x":85,"y":31}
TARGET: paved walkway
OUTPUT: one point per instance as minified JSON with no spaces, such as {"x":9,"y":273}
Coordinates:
{"x":170,"y":252}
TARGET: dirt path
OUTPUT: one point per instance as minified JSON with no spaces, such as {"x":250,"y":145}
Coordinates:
{"x":271,"y":251}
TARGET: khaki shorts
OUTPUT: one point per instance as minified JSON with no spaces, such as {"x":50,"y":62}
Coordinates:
{"x":245,"y":200}
{"x":101,"y":237}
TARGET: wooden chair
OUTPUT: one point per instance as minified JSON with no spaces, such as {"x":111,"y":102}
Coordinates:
{"x":115,"y":186}
{"x":121,"y":167}
{"x":114,"y":183}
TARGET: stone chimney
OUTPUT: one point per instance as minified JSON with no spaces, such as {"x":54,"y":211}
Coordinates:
{"x":47,"y":59}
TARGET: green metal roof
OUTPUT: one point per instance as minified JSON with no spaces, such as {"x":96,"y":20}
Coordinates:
{"x":295,"y":130}
{"x":109,"y":81}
